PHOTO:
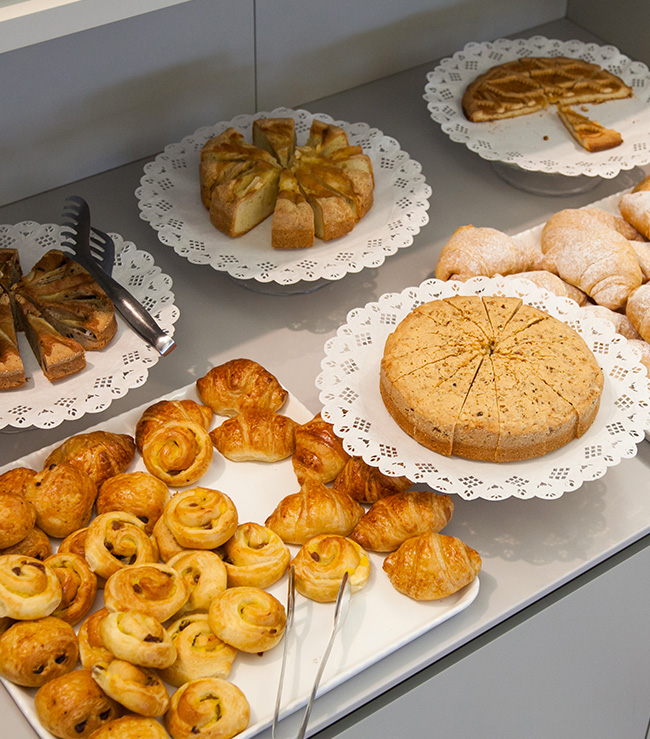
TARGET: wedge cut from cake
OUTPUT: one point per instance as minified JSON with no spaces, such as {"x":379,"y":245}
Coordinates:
{"x":292,"y":226}
{"x":591,"y":135}
{"x":12,"y":372}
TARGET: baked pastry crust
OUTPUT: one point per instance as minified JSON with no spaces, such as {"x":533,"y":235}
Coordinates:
{"x":136,"y":688}
{"x":368,"y":484}
{"x":137,"y":638}
{"x":255,"y":556}
{"x":15,"y":480}
{"x":131,"y":727}
{"x":36,"y":544}
{"x":205,"y":575}
{"x":255,"y":436}
{"x":319,"y":453}
{"x":139,"y":493}
{"x":29,"y":589}
{"x":78,"y":586}
{"x":17,"y":518}
{"x":201,"y":518}
{"x":590,"y":134}
{"x":91,"y":646}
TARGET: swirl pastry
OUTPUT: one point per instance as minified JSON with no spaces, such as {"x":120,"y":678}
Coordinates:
{"x":255,"y":436}
{"x":28,"y":588}
{"x":36,"y":544}
{"x":155,"y":589}
{"x":137,"y":638}
{"x":136,"y":688}
{"x":167,"y":545}
{"x":240,"y":385}
{"x":170,"y":411}
{"x":205,"y":575}
{"x":73,"y":705}
{"x":15,"y":480}
{"x":78,"y":586}
{"x":115,"y":540}
{"x":178,"y":453}
{"x":75,"y":542}
{"x":100,"y":454}
{"x":321,"y":563}
{"x":319,"y":453}
{"x":63,"y":496}
{"x":33,"y":652}
{"x":91,"y":645}
{"x":432,"y":566}
{"x":315,"y":509}
{"x":209,"y":708}
{"x":17,"y":518}
{"x":139,"y":493}
{"x":396,"y":518}
{"x":368,"y":484}
{"x":249,"y":619}
{"x":255,"y":556}
{"x":201,"y":518}
{"x":200,"y":653}
{"x":131,"y":727}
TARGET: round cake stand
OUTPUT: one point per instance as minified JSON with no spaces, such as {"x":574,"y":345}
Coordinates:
{"x":301,"y":287}
{"x":545,"y":183}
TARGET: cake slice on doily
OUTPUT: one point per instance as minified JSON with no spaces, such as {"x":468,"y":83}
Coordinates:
{"x":591,"y":135}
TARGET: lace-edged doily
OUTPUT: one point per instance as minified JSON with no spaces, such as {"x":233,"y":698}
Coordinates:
{"x":110,"y":373}
{"x":349,"y":392}
{"x":169,"y":200}
{"x":539,"y":142}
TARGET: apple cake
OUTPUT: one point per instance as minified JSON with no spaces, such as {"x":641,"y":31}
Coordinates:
{"x":489,"y":378}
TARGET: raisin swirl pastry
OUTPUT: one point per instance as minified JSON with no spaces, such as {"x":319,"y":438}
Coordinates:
{"x":137,"y":638}
{"x":33,"y":652}
{"x":240,"y":385}
{"x":249,"y":619}
{"x":28,"y":588}
{"x":205,"y":575}
{"x":208,"y":708}
{"x":321,"y":563}
{"x":319,"y":453}
{"x":255,"y":556}
{"x":368,"y":484}
{"x":255,"y":436}
{"x":91,"y":645}
{"x":115,"y":540}
{"x":136,"y":688}
{"x":167,"y":545}
{"x":155,"y":589}
{"x":131,"y":727}
{"x":201,"y":518}
{"x":36,"y":544}
{"x":78,"y":586}
{"x":17,"y":519}
{"x":73,"y":705}
{"x":200,"y":652}
{"x":139,"y":493}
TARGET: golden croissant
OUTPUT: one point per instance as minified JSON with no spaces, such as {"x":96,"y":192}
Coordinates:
{"x":368,"y":484}
{"x":255,"y":436}
{"x":319,"y":453}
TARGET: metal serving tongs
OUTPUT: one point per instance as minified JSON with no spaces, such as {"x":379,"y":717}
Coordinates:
{"x":340,"y":612}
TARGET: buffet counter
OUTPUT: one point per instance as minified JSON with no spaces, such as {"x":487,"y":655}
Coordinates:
{"x":537,"y":554}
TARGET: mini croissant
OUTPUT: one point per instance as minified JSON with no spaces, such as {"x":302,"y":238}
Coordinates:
{"x":255,"y":436}
{"x":432,"y":566}
{"x":368,"y":484}
{"x":319,"y":453}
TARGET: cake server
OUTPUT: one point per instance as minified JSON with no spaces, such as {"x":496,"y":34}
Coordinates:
{"x":76,"y":217}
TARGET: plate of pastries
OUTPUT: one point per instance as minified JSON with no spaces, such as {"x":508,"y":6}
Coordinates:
{"x":521,"y":369}
{"x":544,"y":105}
{"x":64,"y":351}
{"x":144,"y":564}
{"x":285,"y":197}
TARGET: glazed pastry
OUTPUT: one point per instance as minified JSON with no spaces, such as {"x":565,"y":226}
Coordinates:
{"x":368,"y":484}
{"x":321,"y":563}
{"x":116,"y":540}
{"x":209,"y":708}
{"x":167,"y":545}
{"x":200,"y":653}
{"x":63,"y":496}
{"x":139,"y":493}
{"x":205,"y":575}
{"x":29,"y":589}
{"x":15,"y":480}
{"x":33,"y":652}
{"x":91,"y":646}
{"x":635,"y":208}
{"x":255,"y":556}
{"x":136,"y":688}
{"x":240,"y":385}
{"x":315,"y":509}
{"x":78,"y":586}
{"x":201,"y":518}
{"x":170,"y":411}
{"x":17,"y":518}
{"x":396,"y":518}
{"x":255,"y":436}
{"x":432,"y":566}
{"x":137,"y":638}
{"x":319,"y":453}
{"x":249,"y":619}
{"x":75,"y":542}
{"x":638,"y":310}
{"x":154,"y":588}
{"x":73,"y":705}
{"x":100,"y":454}
{"x":36,"y":544}
{"x":131,"y":727}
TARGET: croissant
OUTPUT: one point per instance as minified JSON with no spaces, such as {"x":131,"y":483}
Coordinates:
{"x":239,"y":385}
{"x":396,"y":518}
{"x":592,"y":256}
{"x":472,"y":251}
{"x":315,"y":509}
{"x":553,"y":283}
{"x":367,"y":484}
{"x":100,"y":454}
{"x":635,"y":209}
{"x":319,"y":453}
{"x":255,"y":436}
{"x":622,"y":324}
{"x":638,"y":310}
{"x":432,"y":566}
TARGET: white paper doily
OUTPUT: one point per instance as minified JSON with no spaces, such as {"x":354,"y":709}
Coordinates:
{"x":169,"y":200}
{"x":109,"y":373}
{"x":539,"y":142}
{"x":349,"y":392}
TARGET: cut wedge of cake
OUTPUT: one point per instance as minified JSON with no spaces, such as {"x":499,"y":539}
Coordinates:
{"x":292,"y":226}
{"x":277,"y":136}
{"x":591,"y":135}
{"x":12,"y":372}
